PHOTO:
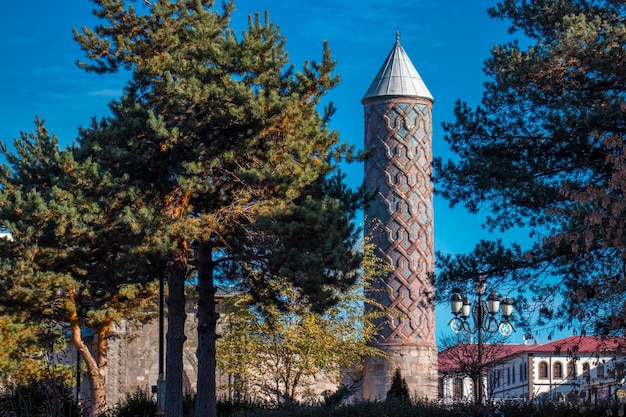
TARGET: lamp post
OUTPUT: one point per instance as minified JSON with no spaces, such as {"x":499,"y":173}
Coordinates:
{"x":160,"y":387}
{"x":483,"y":313}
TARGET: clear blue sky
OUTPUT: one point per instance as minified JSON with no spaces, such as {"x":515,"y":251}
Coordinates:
{"x":447,"y":41}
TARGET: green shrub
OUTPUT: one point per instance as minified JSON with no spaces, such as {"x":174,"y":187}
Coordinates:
{"x":140,"y":403}
{"x":402,"y":408}
{"x":40,"y":398}
{"x":189,"y":401}
{"x":228,"y":408}
{"x":399,"y":389}
{"x":336,"y":398}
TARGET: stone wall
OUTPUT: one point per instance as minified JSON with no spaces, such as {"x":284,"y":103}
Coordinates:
{"x":133,"y":361}
{"x":417,"y":364}
{"x":133,"y":358}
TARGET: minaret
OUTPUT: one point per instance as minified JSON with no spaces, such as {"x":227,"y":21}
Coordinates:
{"x":398,"y":132}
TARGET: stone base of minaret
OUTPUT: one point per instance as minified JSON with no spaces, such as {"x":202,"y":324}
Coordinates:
{"x":418,"y":366}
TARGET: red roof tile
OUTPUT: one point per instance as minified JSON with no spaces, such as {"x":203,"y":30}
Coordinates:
{"x":582,"y":344}
{"x":450,"y":360}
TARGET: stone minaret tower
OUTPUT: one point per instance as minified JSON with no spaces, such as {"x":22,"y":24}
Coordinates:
{"x":398,"y":131}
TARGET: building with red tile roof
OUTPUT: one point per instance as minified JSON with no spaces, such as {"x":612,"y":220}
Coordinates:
{"x":575,"y":369}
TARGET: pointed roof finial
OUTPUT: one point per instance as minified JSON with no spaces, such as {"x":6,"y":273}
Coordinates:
{"x":398,"y":77}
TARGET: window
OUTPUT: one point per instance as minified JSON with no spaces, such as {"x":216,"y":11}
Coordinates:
{"x":557,"y":370}
{"x":458,"y":388}
{"x":571,"y":369}
{"x":508,"y":376}
{"x":496,"y":378}
{"x":600,"y":370}
{"x":525,"y":371}
{"x":543,"y":370}
{"x":586,"y":368}
{"x":521,"y":371}
{"x":513,"y":372}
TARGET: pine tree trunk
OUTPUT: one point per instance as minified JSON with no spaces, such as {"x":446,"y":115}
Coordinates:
{"x":206,"y":400}
{"x":95,"y":370}
{"x":99,"y":392}
{"x":176,"y":273}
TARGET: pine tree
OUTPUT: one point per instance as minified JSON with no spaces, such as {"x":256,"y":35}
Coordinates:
{"x":544,"y":151}
{"x":225,"y":143}
{"x":73,"y":248}
{"x":399,"y":389}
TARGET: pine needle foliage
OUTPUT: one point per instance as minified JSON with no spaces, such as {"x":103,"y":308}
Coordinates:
{"x":399,"y":389}
{"x":224,"y":141}
{"x":544,"y":152}
{"x":74,"y":248}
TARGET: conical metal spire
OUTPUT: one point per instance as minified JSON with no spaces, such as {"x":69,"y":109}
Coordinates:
{"x":398,"y":77}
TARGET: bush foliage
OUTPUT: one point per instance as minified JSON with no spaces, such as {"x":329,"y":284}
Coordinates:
{"x":53,"y":399}
{"x":39,"y":398}
{"x":403,"y":408}
{"x":399,"y":389}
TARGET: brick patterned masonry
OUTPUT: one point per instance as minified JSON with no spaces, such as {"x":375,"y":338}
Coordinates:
{"x":398,"y":130}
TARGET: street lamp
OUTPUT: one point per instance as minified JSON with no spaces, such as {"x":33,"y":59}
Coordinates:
{"x":483,"y":313}
{"x":160,"y":386}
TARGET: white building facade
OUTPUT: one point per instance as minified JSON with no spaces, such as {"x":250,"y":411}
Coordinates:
{"x":575,"y":369}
